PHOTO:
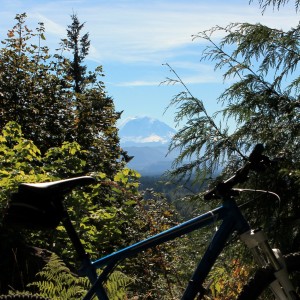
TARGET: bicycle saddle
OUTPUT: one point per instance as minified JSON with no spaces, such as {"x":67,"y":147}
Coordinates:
{"x":55,"y":187}
{"x":36,"y":205}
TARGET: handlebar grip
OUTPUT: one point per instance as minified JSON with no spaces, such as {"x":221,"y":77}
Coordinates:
{"x":257,"y":162}
{"x":256,"y":154}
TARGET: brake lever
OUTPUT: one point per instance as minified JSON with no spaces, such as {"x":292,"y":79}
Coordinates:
{"x":257,"y":162}
{"x":223,"y":188}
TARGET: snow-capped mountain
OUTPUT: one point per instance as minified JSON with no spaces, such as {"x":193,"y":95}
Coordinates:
{"x":147,"y":140}
{"x":145,"y":131}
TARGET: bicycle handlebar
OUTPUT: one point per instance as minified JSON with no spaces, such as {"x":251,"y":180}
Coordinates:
{"x":256,"y":162}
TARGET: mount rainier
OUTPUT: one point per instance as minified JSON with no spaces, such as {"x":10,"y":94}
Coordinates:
{"x":147,"y":139}
{"x":145,"y":131}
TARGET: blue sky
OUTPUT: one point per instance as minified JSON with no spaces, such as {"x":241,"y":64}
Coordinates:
{"x":132,"y":39}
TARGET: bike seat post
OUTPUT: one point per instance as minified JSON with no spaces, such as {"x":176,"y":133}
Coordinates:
{"x":73,"y":235}
{"x":86,"y":266}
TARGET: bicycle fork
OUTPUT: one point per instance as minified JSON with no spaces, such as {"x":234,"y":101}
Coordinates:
{"x":257,"y":242}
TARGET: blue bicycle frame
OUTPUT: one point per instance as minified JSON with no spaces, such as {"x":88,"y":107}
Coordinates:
{"x":232,"y":220}
{"x":228,"y":214}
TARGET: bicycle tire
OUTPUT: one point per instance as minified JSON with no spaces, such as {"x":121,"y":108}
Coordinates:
{"x":22,"y":297}
{"x":264,"y":276}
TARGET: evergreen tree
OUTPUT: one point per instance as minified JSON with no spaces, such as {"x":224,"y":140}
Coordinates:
{"x":80,"y":49}
{"x":96,"y":118}
{"x":263,"y":101}
{"x":275,"y":3}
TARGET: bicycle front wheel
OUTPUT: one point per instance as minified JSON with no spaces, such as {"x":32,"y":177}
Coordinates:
{"x":257,"y":287}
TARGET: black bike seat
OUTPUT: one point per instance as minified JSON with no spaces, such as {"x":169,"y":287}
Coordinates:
{"x":56,"y":187}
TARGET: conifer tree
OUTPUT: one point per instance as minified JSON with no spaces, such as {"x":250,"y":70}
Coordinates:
{"x":275,"y":3}
{"x":262,"y":101}
{"x":79,"y":45}
{"x":96,"y":118}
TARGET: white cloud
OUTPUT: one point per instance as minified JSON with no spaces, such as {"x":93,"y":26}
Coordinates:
{"x":51,"y":26}
{"x":147,"y":32}
{"x":200,"y":78}
{"x":138,"y":83}
{"x":129,"y":31}
{"x":140,"y":32}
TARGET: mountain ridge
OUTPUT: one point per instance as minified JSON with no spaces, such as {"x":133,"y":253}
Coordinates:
{"x":147,"y":140}
{"x":141,"y":131}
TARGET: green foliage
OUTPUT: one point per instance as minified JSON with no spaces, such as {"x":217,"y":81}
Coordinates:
{"x":117,"y":286}
{"x":260,"y":105}
{"x":95,"y":117}
{"x":261,"y":101}
{"x":50,"y":132}
{"x":275,"y":3}
{"x":203,"y":144}
{"x":57,"y":282}
{"x":34,"y":91}
{"x":96,"y":131}
{"x":65,"y":161}
{"x":79,"y":45}
{"x":100,"y":213}
{"x":264,"y":107}
{"x":228,"y":279}
{"x":161,"y":272}
{"x":20,"y":161}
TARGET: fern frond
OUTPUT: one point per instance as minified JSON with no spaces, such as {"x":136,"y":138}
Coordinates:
{"x":117,"y":285}
{"x":57,"y":282}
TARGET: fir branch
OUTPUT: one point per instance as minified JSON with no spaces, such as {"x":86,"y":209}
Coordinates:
{"x":200,"y":140}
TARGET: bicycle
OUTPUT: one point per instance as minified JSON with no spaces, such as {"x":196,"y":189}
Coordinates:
{"x":275,"y":269}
